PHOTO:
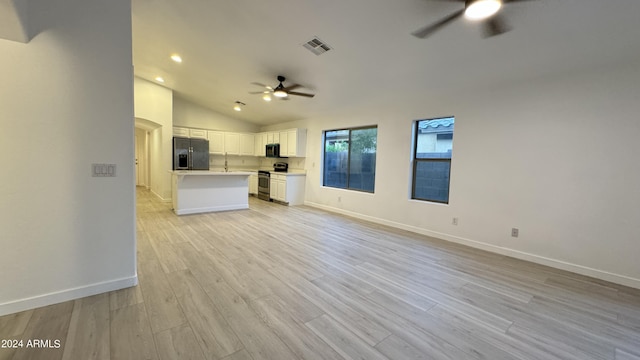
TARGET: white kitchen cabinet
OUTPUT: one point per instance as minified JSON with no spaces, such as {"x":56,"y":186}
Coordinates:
{"x":278,"y":187}
{"x":232,"y":143}
{"x":180,"y":131}
{"x":216,"y":142}
{"x":281,"y":190}
{"x":273,"y":137}
{"x":198,"y":133}
{"x":259,"y":149}
{"x":288,"y":189}
{"x":296,"y":142}
{"x":253,"y":184}
{"x":247,"y":144}
{"x":284,"y":144}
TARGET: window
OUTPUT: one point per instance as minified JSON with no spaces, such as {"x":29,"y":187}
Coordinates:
{"x":432,"y":159}
{"x":350,"y":158}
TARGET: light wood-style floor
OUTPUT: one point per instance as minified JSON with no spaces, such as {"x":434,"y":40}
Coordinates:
{"x":277,"y":282}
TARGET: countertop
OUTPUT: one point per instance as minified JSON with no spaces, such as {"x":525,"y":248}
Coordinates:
{"x":211,"y":173}
{"x":231,"y":172}
{"x":288,"y":173}
{"x":291,"y":172}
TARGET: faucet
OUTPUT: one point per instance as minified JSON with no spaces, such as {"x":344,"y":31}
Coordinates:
{"x":226,"y":165}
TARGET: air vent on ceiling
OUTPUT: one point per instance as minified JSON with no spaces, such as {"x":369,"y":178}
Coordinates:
{"x":316,"y":46}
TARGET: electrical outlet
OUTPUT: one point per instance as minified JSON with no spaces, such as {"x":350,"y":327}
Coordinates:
{"x":514,"y":232}
{"x":454,"y":221}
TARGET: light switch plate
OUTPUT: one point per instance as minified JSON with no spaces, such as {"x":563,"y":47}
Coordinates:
{"x":103,"y":170}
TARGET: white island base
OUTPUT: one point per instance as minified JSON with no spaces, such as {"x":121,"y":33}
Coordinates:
{"x":196,"y":192}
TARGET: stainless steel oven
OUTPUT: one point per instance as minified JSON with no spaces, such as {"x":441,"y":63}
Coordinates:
{"x":264,"y":179}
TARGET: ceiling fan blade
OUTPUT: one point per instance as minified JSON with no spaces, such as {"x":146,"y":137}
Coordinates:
{"x":262,"y":85}
{"x":259,"y":92}
{"x":291,"y":87}
{"x":300,"y":94}
{"x":430,"y":29}
{"x":495,"y":25}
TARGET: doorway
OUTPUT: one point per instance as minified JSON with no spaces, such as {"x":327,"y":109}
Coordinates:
{"x":141,"y":149}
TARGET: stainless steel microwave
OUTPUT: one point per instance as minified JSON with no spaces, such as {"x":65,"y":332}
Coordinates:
{"x":272,"y":150}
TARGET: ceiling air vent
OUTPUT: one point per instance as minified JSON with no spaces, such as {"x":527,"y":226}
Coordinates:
{"x":316,"y":46}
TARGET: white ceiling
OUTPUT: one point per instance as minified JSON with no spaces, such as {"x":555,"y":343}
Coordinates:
{"x":226,"y":45}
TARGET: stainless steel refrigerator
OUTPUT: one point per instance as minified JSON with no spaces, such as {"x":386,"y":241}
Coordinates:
{"x":190,"y":154}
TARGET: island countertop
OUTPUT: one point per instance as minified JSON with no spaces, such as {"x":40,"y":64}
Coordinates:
{"x":199,"y":191}
{"x":210,"y":173}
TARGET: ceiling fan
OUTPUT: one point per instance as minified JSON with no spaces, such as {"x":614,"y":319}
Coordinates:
{"x":280,"y":91}
{"x":485,"y":11}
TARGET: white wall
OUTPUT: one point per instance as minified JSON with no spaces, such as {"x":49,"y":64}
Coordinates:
{"x":188,"y":114}
{"x":554,"y":157}
{"x":154,"y":103}
{"x":66,"y":101}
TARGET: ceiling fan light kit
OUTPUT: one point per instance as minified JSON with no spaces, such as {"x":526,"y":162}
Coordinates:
{"x":484,"y":11}
{"x":280,"y":91}
{"x":481,"y":9}
{"x":238,"y":106}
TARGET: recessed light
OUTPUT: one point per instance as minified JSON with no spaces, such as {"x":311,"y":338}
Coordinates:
{"x":159,"y":79}
{"x":176,"y":58}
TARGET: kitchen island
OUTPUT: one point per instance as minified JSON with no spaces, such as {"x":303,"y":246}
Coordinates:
{"x":196,"y":191}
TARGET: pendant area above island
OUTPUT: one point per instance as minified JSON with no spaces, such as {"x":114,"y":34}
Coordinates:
{"x":196,"y":192}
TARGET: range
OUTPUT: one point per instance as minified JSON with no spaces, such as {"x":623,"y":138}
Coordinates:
{"x":264,"y":180}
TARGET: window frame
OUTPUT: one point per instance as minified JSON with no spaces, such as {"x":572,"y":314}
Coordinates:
{"x":417,"y":160}
{"x":348,"y":170}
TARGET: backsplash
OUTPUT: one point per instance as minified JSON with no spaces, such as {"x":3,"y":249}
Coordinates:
{"x":234,"y":162}
{"x":216,"y":162}
{"x":294,"y":163}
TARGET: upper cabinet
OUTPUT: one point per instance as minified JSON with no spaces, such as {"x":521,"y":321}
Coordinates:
{"x":198,"y":133}
{"x":232,"y":143}
{"x":247,"y":144}
{"x":190,"y":133}
{"x":216,"y":142}
{"x":221,"y":142}
{"x":180,"y":131}
{"x":273,"y":137}
{"x":284,"y":144}
{"x":293,"y":142}
{"x":259,"y":142}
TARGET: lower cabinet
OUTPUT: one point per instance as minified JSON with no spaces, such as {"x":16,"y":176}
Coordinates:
{"x":278,"y":187}
{"x":287,"y":188}
{"x":253,"y":184}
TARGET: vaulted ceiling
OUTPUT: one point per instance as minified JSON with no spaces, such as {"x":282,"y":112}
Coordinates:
{"x":227,"y":45}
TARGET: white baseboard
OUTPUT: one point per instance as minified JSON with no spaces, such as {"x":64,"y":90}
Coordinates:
{"x":554,"y":263}
{"x":66,"y":295}
{"x":160,"y":197}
